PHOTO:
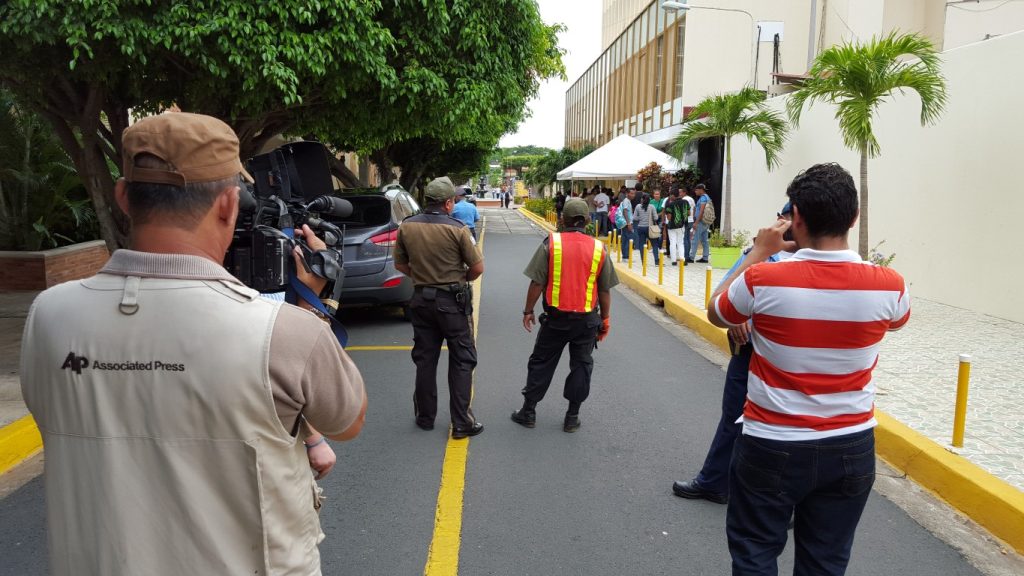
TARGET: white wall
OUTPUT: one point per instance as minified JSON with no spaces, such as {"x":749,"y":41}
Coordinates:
{"x":947,"y":199}
{"x":719,"y":45}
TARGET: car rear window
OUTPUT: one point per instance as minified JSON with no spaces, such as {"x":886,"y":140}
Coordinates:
{"x":367,"y":211}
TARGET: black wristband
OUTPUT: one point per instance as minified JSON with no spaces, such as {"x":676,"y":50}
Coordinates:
{"x":527,"y":312}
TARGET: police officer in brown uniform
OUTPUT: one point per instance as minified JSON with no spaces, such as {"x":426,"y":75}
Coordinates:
{"x":574,"y":272}
{"x":439,"y":254}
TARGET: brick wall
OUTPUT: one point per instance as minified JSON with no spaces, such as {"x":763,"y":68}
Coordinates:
{"x":40,"y":270}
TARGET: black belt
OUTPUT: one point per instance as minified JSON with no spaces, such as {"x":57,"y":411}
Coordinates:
{"x":450,"y":288}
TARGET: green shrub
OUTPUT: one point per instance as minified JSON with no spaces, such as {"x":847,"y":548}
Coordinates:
{"x":540,"y":206}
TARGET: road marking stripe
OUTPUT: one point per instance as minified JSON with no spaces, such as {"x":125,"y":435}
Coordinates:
{"x":443,"y":556}
{"x":18,"y":441}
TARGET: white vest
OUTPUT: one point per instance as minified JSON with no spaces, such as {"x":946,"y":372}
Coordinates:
{"x":164,"y":452}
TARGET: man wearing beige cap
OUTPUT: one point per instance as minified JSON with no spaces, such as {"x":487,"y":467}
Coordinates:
{"x":439,"y":254}
{"x":170,"y":397}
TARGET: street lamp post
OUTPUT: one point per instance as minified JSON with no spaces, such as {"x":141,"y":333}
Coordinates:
{"x":673,"y":6}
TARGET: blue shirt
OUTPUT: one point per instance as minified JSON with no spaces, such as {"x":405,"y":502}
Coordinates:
{"x":696,"y":209}
{"x":467,"y":213}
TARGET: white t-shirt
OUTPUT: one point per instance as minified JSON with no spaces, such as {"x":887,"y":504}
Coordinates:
{"x":693,"y":206}
{"x":601,"y":202}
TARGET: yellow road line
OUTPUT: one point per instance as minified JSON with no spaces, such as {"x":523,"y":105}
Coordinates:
{"x":443,"y":556}
{"x":18,"y":441}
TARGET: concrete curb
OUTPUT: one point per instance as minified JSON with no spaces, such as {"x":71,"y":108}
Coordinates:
{"x":537,"y":219}
{"x":992,"y":503}
{"x":19,"y":441}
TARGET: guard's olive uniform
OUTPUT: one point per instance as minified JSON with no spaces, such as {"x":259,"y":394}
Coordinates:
{"x":438,"y":249}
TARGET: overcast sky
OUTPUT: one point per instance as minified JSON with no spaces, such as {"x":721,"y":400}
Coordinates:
{"x":582,"y":43}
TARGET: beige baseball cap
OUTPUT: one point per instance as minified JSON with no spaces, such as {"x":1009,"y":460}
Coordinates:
{"x":201,"y":149}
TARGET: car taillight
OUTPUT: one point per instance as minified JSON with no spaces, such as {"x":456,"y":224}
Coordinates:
{"x":392,"y":282}
{"x":386,"y":239}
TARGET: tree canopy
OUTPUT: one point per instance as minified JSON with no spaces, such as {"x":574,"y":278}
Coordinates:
{"x":351,"y":72}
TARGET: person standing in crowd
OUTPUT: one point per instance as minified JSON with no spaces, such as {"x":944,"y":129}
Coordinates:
{"x":574,"y":274}
{"x":807,"y":445}
{"x":687,"y":196}
{"x":439,"y":254}
{"x":601,"y":202}
{"x":559,"y":203}
{"x":648,"y":227}
{"x":699,"y":233}
{"x":591,"y":205}
{"x":624,"y":223}
{"x":466,"y":212}
{"x":677,"y":211}
{"x":212,"y":388}
{"x":658,"y":200}
{"x":712,"y":482}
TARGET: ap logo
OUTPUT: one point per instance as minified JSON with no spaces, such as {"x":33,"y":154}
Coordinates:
{"x":75,"y":363}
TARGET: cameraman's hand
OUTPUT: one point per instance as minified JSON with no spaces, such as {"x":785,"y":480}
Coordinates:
{"x":314,"y":282}
{"x":321,"y":459}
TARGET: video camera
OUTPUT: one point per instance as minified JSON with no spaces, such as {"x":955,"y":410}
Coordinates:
{"x":292,"y":187}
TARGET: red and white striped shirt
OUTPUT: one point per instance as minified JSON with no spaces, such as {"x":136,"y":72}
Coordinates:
{"x":818,"y":319}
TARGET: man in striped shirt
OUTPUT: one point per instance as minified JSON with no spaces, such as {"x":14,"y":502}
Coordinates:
{"x":807,"y":448}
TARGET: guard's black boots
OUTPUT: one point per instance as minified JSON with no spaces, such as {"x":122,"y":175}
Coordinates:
{"x":524,"y":417}
{"x":572,"y":422}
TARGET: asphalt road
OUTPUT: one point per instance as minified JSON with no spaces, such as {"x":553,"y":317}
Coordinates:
{"x":597,"y":502}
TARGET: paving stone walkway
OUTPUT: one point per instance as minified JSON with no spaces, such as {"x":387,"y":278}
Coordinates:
{"x":917,"y":372}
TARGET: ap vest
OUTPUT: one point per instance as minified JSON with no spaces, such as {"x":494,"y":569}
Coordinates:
{"x":574,"y":264}
{"x":164,"y":452}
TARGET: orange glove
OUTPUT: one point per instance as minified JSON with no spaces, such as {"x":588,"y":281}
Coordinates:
{"x":602,"y":332}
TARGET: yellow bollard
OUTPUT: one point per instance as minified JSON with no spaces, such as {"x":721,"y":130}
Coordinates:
{"x":963,"y":379}
{"x":682,"y":276}
{"x":629,"y":246}
{"x":661,"y":269}
{"x":643,"y":261}
{"x":707,"y":286}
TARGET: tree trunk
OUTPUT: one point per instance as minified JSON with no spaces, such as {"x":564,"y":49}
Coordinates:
{"x":411,"y":176}
{"x":340,"y":171}
{"x":862,"y":240}
{"x":385,"y":167}
{"x":727,"y":193}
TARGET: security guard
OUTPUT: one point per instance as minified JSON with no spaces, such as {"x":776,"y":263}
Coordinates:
{"x":439,"y":254}
{"x":575,"y":273}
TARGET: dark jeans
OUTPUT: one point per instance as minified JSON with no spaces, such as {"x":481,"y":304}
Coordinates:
{"x":641,"y":238}
{"x":433,"y":322}
{"x":822,"y":484}
{"x":580,"y":334}
{"x":686,"y":240}
{"x":714,"y":475}
{"x":602,"y":223}
{"x":626,"y":237}
{"x":656,"y":247}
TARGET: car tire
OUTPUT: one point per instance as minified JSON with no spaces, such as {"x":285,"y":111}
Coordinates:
{"x":406,"y":312}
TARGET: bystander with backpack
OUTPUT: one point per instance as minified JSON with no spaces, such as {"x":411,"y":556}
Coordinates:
{"x":704,"y":217}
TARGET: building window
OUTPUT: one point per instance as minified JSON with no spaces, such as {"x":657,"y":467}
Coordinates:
{"x":680,"y":42}
{"x":658,"y":71}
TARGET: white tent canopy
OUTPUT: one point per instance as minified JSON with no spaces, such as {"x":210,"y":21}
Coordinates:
{"x":619,"y":159}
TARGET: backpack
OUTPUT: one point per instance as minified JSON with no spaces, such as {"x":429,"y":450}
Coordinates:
{"x":620,"y":218}
{"x":678,"y":212}
{"x":709,"y":213}
{"x":611,"y":214}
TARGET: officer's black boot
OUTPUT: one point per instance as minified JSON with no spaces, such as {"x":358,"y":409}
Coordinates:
{"x":572,"y":418}
{"x":526,"y":416}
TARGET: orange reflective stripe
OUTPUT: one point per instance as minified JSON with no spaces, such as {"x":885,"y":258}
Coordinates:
{"x":595,"y":267}
{"x":556,"y":269}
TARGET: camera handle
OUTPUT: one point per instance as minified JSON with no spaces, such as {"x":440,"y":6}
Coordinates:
{"x":297,"y":290}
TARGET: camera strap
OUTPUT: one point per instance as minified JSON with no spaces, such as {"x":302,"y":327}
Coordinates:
{"x":298,"y":291}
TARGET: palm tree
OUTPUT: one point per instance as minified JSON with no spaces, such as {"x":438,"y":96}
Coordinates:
{"x":741,"y":114}
{"x":857,"y":78}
